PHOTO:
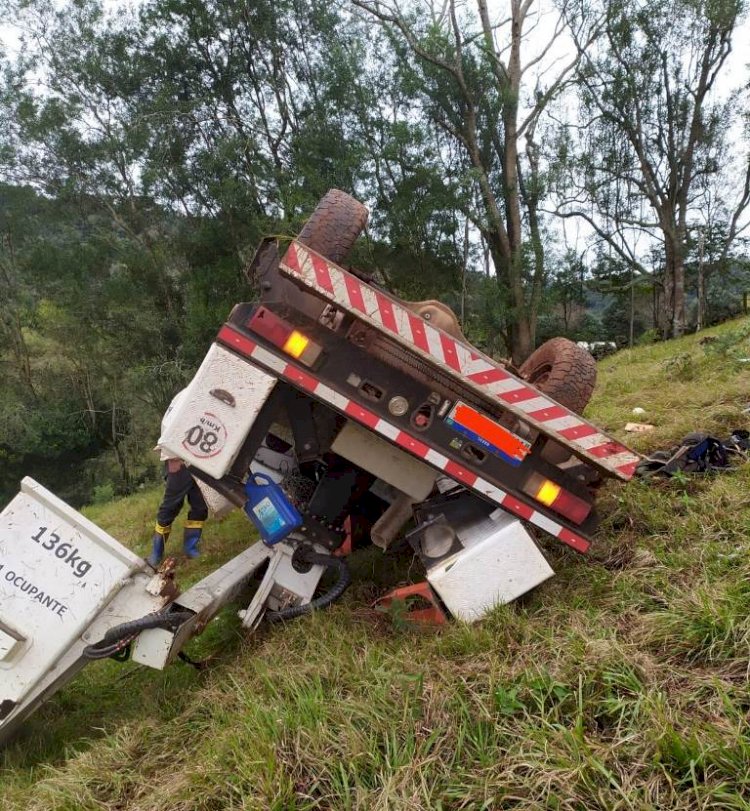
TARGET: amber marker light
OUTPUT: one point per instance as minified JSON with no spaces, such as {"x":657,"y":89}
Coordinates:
{"x":295,"y":344}
{"x":548,"y":492}
{"x":555,"y":497}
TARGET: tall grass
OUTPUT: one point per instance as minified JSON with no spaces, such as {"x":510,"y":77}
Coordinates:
{"x":619,"y":684}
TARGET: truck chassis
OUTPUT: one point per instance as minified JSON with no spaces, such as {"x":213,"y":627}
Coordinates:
{"x":372,"y":419}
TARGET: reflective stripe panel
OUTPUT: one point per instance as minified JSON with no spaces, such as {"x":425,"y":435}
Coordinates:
{"x":473,"y":369}
{"x":304,"y":380}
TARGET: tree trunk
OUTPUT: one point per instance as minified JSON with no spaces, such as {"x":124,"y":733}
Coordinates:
{"x":667,"y":299}
{"x":701,"y":288}
{"x":530,"y":195}
{"x":678,"y":292}
{"x":521,"y":341}
{"x":673,"y":303}
{"x":464,"y":268}
{"x":631,"y":335}
{"x":121,"y":460}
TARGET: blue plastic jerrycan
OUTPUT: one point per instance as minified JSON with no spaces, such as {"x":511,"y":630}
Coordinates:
{"x":269,"y":509}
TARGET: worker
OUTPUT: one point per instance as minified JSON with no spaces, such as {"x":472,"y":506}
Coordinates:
{"x":179,"y":486}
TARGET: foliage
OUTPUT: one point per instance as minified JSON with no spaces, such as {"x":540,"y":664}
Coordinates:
{"x":468,"y":79}
{"x":729,"y":343}
{"x":679,"y":367}
{"x":650,"y":336}
{"x":653,"y":162}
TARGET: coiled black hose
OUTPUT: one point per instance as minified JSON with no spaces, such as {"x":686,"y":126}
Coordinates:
{"x":333,"y":594}
{"x":118,"y":638}
{"x":122,"y":635}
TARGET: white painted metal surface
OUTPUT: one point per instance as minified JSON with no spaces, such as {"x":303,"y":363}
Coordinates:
{"x":218,"y":505}
{"x":211,"y":421}
{"x":391,"y":464}
{"x":282,"y":585}
{"x":499,"y":562}
{"x":58,"y":571}
{"x":300,"y":584}
{"x":133,"y":600}
{"x":158,"y":647}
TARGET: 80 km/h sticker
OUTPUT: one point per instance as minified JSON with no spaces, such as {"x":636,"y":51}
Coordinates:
{"x":206,"y":437}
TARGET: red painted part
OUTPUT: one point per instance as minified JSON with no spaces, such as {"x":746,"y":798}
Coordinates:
{"x":230,"y":337}
{"x":346,"y":548}
{"x":434,"y":615}
{"x":482,"y":373}
{"x":573,"y":508}
{"x":266,"y":323}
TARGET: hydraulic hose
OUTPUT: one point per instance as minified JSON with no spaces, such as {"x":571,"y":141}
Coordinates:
{"x":117,"y":638}
{"x":339,"y":587}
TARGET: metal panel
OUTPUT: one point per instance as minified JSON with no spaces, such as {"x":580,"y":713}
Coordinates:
{"x":212,"y":419}
{"x":499,"y":562}
{"x":57,"y":572}
{"x":273,"y":464}
{"x":385,"y":461}
{"x":134,"y":599}
{"x":218,"y":505}
{"x":157,"y":648}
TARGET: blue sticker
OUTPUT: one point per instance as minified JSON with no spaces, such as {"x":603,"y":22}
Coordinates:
{"x":482,"y":442}
{"x":269,"y":516}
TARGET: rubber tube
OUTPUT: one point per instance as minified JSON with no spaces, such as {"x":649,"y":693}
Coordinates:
{"x":115,"y":638}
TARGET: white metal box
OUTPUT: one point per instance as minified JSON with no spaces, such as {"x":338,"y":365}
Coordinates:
{"x":498,"y":563}
{"x":57,"y":571}
{"x":274,"y":464}
{"x":214,"y":415}
{"x":387,"y":462}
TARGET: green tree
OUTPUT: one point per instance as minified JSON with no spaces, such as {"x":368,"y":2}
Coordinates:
{"x":156,"y":147}
{"x":657,"y":129}
{"x":466,"y":75}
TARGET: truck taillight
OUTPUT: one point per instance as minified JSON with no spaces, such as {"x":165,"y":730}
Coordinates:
{"x":296,"y":344}
{"x":290,"y":340}
{"x":557,"y":498}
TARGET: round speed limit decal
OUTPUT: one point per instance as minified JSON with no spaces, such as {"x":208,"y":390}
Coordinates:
{"x":206,"y":438}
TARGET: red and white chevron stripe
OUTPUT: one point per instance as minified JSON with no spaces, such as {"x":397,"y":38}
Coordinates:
{"x":302,"y":379}
{"x":478,"y":371}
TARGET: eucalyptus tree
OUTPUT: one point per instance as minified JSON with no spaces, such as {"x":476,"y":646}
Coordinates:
{"x":657,"y":132}
{"x":477,"y":81}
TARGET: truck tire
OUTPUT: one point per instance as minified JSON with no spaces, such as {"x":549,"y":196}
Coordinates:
{"x":334,"y":226}
{"x":564,"y":371}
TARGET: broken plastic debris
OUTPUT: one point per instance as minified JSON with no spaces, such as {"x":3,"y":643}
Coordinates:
{"x":639,"y":427}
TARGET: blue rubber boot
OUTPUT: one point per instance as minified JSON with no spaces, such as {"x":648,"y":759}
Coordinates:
{"x":157,"y":550}
{"x":191,"y":538}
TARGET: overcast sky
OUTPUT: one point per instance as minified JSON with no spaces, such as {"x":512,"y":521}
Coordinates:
{"x":735,"y":73}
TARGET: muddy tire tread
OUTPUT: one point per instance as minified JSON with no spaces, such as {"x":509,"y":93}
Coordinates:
{"x":334,"y":226}
{"x":572,"y":374}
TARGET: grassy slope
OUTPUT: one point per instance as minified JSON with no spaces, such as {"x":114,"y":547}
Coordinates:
{"x":621,"y":683}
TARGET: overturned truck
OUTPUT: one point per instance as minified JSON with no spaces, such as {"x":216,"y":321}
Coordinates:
{"x":334,"y":415}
